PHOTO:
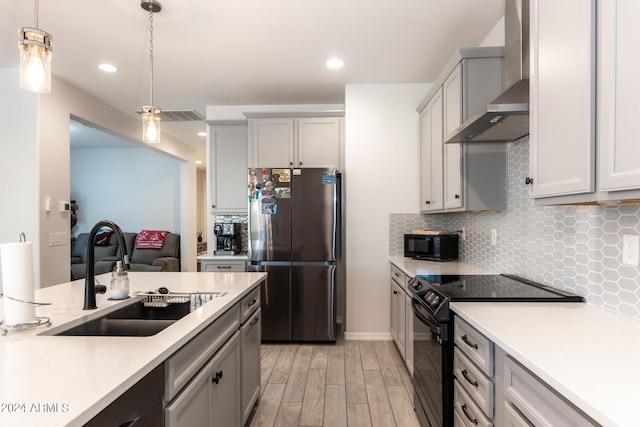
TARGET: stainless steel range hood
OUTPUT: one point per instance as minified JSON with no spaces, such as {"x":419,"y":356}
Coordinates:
{"x":506,"y":118}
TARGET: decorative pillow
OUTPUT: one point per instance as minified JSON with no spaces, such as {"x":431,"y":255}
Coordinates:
{"x":150,"y":239}
{"x":102,"y":238}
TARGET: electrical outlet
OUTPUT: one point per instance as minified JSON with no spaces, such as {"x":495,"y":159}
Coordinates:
{"x":494,"y":237}
{"x":57,"y":239}
{"x":630,"y":249}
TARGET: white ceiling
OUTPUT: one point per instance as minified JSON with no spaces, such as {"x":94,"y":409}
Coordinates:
{"x":230,"y":52}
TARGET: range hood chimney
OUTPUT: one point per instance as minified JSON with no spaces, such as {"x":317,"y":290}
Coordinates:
{"x":506,"y":118}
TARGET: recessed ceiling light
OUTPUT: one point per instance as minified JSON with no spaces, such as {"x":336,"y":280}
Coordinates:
{"x":335,"y":63}
{"x":202,"y":134}
{"x":108,"y":68}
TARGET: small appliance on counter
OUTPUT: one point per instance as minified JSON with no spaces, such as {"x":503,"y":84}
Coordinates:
{"x":228,"y":238}
{"x":429,"y":245}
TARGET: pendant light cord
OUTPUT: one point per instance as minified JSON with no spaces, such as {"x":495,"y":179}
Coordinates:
{"x":151,"y":55}
{"x":36,"y":12}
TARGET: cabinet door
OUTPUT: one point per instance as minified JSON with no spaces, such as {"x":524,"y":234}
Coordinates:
{"x":318,"y":142}
{"x":408,"y":345}
{"x":227,"y":168}
{"x":402,"y":331}
{"x":431,"y":188}
{"x":271,"y":142}
{"x":225,"y":385}
{"x":562,"y":117}
{"x":452,"y":99}
{"x":395,"y":295}
{"x":250,"y":372}
{"x":192,"y":406}
{"x":618,"y":94}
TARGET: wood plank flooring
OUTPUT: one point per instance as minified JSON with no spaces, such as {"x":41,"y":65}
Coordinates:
{"x":351,"y":383}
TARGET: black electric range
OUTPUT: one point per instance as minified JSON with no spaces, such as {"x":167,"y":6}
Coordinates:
{"x":436,"y":292}
{"x":432,"y":327}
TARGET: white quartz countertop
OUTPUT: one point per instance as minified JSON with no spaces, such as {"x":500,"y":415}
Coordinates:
{"x":414,"y":267}
{"x":66,"y":380}
{"x":240,"y":257}
{"x":588,"y":354}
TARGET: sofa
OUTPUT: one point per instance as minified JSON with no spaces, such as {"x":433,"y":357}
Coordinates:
{"x":106,"y":253}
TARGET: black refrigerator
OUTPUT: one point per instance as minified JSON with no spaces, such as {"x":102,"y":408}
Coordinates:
{"x":293,"y":237}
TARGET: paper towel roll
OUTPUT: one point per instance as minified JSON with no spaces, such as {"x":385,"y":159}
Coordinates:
{"x":16,"y":260}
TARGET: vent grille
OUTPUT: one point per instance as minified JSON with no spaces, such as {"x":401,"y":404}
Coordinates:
{"x":179,"y":115}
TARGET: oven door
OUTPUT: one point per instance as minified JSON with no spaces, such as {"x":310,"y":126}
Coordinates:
{"x":431,"y":346}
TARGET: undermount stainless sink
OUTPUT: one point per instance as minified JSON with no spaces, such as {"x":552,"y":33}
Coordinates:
{"x":147,"y":316}
{"x":132,"y":320}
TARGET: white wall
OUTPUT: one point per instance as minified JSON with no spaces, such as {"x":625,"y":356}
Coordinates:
{"x":135,"y":187}
{"x":18,"y":163}
{"x":382,"y":169}
{"x":40,"y":167}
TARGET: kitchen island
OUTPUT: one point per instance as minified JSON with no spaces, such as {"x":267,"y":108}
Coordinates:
{"x":67,"y":380}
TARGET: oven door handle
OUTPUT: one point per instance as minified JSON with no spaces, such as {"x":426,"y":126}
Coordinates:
{"x":434,"y":327}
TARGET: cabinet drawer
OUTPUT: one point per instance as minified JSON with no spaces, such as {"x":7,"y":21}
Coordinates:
{"x":223,"y":267}
{"x":468,"y":411}
{"x":249,"y":304}
{"x":476,"y":346}
{"x":513,"y":418}
{"x":399,"y":277}
{"x":539,"y":403}
{"x":475,"y":382}
{"x":182,"y":365}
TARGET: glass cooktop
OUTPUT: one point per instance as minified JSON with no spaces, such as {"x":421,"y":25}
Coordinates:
{"x":492,"y":288}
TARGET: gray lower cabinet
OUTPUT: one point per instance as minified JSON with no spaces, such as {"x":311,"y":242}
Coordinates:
{"x":250,"y":351}
{"x":214,"y":379}
{"x":212,"y":398}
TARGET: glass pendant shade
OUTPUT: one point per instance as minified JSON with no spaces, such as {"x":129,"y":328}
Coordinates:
{"x":151,"y":124}
{"x":35,"y":60}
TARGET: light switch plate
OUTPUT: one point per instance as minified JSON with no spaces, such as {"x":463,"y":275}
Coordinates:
{"x":57,"y":239}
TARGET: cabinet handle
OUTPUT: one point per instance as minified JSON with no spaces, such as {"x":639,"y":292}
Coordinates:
{"x":528,"y":180}
{"x":469,"y":343}
{"x":290,"y":163}
{"x":300,"y":163}
{"x":466,"y":414}
{"x":395,"y":292}
{"x":216,"y":378}
{"x":465,"y":374}
{"x":213,"y":206}
{"x":223,"y":267}
{"x":457,"y":196}
{"x":428,"y":202}
{"x":253,"y":301}
{"x":254,"y":321}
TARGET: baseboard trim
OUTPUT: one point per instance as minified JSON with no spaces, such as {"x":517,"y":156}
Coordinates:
{"x":368,"y":336}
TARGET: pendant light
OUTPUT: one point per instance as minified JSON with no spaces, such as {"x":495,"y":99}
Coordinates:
{"x":150,"y":113}
{"x":35,"y":58}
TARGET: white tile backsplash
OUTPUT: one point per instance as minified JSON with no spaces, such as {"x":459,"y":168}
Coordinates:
{"x":577,"y":248}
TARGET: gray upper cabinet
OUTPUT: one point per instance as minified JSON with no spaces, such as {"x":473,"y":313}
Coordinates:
{"x":431,"y":189}
{"x":584,"y":91}
{"x":618,"y":94}
{"x":563,"y":78}
{"x":227,"y":168}
{"x":472,"y":78}
{"x":271,"y":142}
{"x":295,"y":142}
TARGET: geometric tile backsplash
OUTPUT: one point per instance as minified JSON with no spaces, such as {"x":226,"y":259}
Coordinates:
{"x":577,"y":248}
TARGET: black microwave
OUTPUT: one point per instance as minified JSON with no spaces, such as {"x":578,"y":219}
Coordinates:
{"x":431,"y":247}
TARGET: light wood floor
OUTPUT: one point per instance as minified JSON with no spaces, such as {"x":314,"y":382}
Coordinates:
{"x":351,"y":383}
